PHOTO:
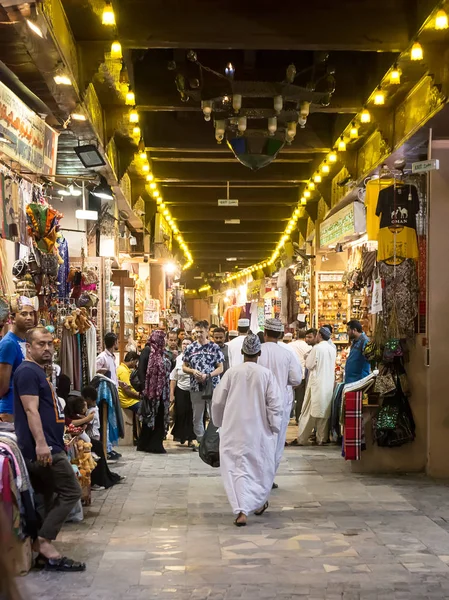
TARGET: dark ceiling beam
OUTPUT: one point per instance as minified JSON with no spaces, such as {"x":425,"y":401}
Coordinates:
{"x":375,"y":25}
{"x":252,"y":237}
{"x":190,"y":228}
{"x":174,"y":195}
{"x":283,"y":172}
{"x":219,"y":159}
{"x":207,"y":213}
{"x":225,"y":150}
{"x":350,"y":106}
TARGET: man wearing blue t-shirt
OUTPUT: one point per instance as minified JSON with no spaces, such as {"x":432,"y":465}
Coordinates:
{"x":39,"y":423}
{"x":12,"y":353}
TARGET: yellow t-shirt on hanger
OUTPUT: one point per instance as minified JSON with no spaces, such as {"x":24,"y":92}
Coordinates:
{"x":373,"y":188}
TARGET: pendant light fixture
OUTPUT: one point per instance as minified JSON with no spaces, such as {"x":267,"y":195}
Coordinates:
{"x":416,"y":52}
{"x":311,"y":186}
{"x":133,"y":116}
{"x":116,"y":50}
{"x":365,"y":116}
{"x":332,"y":157}
{"x":136,"y":132}
{"x":303,"y":201}
{"x":130,"y":99}
{"x":325,"y":169}
{"x":341,"y":144}
{"x":307,"y":194}
{"x":317,"y":178}
{"x":395,"y":75}
{"x":441,"y":20}
{"x":354,"y":131}
{"x":108,"y":16}
{"x":379,"y":97}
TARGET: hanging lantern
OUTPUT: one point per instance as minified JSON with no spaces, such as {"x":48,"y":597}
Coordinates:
{"x":379,"y":97}
{"x":130,"y":99}
{"x":354,"y":132}
{"x":108,"y":16}
{"x":133,"y":116}
{"x":416,"y":52}
{"x":116,"y":50}
{"x":395,"y":76}
{"x":341,"y":145}
{"x":365,"y":116}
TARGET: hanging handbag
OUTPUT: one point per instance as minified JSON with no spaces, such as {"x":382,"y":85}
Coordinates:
{"x":385,"y":383}
{"x":209,"y":449}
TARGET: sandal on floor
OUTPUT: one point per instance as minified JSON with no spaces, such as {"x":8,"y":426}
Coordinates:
{"x":239,"y":523}
{"x":260,"y":512}
{"x":64,"y":564}
{"x":295,"y":443}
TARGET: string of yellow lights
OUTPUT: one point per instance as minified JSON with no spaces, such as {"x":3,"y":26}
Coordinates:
{"x":439,"y":21}
{"x":143,"y":164}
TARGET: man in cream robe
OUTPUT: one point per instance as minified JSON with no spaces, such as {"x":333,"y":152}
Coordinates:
{"x":320,"y":364}
{"x":235,"y":346}
{"x":247,"y":406}
{"x":287,"y":370}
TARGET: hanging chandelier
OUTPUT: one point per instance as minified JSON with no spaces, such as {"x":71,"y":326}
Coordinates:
{"x":256,"y":118}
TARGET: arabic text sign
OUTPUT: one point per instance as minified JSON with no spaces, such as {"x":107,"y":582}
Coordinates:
{"x":33,"y":142}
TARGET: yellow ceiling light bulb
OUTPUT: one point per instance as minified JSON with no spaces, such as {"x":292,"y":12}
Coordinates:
{"x":416,"y":52}
{"x":325,"y":169}
{"x":395,"y":76}
{"x":130,"y":98}
{"x":354,"y":131}
{"x":108,"y":16}
{"x":365,"y":116}
{"x":133,"y":116}
{"x":311,"y":185}
{"x":136,"y":131}
{"x":143,"y":155}
{"x":441,"y":20}
{"x":307,"y":194}
{"x":153,"y":186}
{"x":379,"y":97}
{"x":150,"y":177}
{"x":341,"y":145}
{"x":146,"y":168}
{"x":317,"y":178}
{"x":156,"y":195}
{"x":116,"y":50}
{"x":332,"y":157}
{"x":159,"y":200}
{"x":166,"y":212}
{"x":303,"y":201}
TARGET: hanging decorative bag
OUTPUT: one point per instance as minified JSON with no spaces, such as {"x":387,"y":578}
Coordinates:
{"x":385,"y":383}
{"x":387,"y":417}
{"x":373,"y":351}
{"x":393,"y":348}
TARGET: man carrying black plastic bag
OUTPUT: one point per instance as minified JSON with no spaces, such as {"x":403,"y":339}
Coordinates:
{"x":210,"y":446}
{"x":247,"y":405}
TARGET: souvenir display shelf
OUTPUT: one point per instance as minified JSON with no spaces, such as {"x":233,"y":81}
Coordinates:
{"x":122,"y":308}
{"x":333,"y":304}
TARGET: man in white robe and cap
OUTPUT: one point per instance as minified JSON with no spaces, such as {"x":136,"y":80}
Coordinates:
{"x":287,"y":370}
{"x":247,"y":406}
{"x":235,"y":345}
{"x":320,"y":364}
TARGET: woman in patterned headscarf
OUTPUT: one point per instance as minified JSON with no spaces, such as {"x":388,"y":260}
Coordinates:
{"x":156,"y":401}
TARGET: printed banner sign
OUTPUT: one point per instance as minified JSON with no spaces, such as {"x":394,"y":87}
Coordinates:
{"x":347,"y":222}
{"x":33,"y":144}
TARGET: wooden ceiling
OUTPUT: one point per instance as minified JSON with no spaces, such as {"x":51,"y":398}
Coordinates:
{"x":260,"y":39}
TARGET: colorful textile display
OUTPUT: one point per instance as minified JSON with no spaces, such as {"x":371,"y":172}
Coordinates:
{"x":352,"y":442}
{"x":42,"y":225}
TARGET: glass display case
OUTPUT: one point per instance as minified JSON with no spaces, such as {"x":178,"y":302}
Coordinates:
{"x":122,"y":308}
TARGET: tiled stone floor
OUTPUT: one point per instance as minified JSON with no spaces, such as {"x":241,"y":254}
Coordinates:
{"x":167,"y":533}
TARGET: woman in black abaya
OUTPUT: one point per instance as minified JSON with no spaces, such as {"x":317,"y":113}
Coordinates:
{"x":154,"y":408}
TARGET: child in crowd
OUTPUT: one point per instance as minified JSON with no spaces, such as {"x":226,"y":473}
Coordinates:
{"x":76,"y":415}
{"x":89,"y":394}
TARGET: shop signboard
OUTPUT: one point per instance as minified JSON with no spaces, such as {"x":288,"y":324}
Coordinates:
{"x":151,"y":312}
{"x":423,"y":166}
{"x":228,"y":202}
{"x":348,"y":221}
{"x":33,"y":144}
